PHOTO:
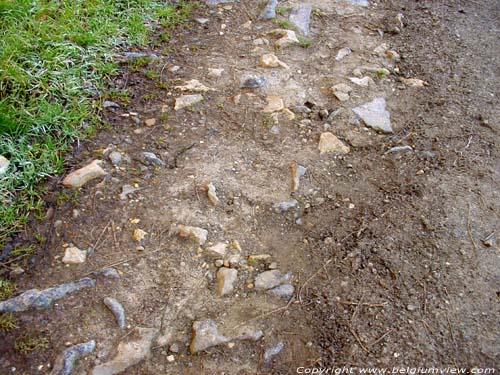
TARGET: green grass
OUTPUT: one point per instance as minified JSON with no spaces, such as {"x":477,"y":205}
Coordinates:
{"x":55,"y":57}
{"x":6,"y":289}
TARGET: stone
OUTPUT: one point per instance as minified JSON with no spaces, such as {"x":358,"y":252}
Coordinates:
{"x":217,"y":251}
{"x":399,"y":149}
{"x":270,"y":279}
{"x":129,"y":353}
{"x":38,"y":300}
{"x":219,"y":263}
{"x":273,"y":266}
{"x":115,"y":158}
{"x":174,"y":69}
{"x":174,"y":348}
{"x":150,"y":122}
{"x":65,"y":362}
{"x":274,"y":104}
{"x":226,"y":277}
{"x":490,"y":241}
{"x":381,"y":49}
{"x":260,"y":42}
{"x":117,"y":309}
{"x":285,"y":206}
{"x":297,"y":172}
{"x":110,"y":104}
{"x":194,"y":85}
{"x":110,"y":273}
{"x":342,"y":91}
{"x":259,"y":258}
{"x":393,"y":55}
{"x":413,"y":82}
{"x":217,"y":2}
{"x":375,"y":115}
{"x":126,"y":190}
{"x":286,"y":38}
{"x":301,"y":18}
{"x":269,"y":11}
{"x":212,"y":194}
{"x":4,"y":164}
{"x":359,"y":3}
{"x":170,"y":358}
{"x":248,"y":333}
{"x":83,"y":175}
{"x":187,"y":101}
{"x":269,"y":60}
{"x":205,"y":335}
{"x":330,"y":143}
{"x":202,"y":21}
{"x":283,"y":291}
{"x":343,"y":52}
{"x":73,"y":255}
{"x":195,"y":234}
{"x":139,"y":235}
{"x":273,"y":351}
{"x":139,"y":55}
{"x":151,"y":159}
{"x":364,"y":82}
{"x":215,"y":73}
{"x":289,"y":114}
{"x":254,"y":82}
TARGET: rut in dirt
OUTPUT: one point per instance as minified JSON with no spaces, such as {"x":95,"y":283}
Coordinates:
{"x":293,"y":185}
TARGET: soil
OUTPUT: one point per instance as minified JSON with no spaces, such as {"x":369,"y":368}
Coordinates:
{"x":386,"y":249}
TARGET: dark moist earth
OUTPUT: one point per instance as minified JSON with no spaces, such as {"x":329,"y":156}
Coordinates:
{"x":388,"y":259}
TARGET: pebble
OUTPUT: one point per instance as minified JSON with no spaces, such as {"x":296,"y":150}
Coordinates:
{"x":140,"y":55}
{"x":260,"y":42}
{"x":359,"y":3}
{"x":151,"y":158}
{"x":273,"y":266}
{"x":110,"y":273}
{"x":139,"y":235}
{"x":248,"y":333}
{"x":115,"y":157}
{"x":129,"y":353}
{"x":274,"y":104}
{"x":270,"y":10}
{"x":342,"y":91}
{"x":126,"y":190}
{"x":490,"y":241}
{"x":215,"y":72}
{"x":219,"y":263}
{"x":73,"y":255}
{"x":65,"y":362}
{"x":343,"y":52}
{"x":110,"y":104}
{"x":117,"y":309}
{"x":283,"y":291}
{"x":285,"y":206}
{"x":205,"y":335}
{"x":217,"y":251}
{"x":194,"y":85}
{"x":400,"y":149}
{"x":363,"y":82}
{"x":254,"y":82}
{"x":195,"y":234}
{"x":381,"y":49}
{"x":174,"y":348}
{"x":187,"y":100}
{"x":297,"y":172}
{"x":170,"y":358}
{"x":269,"y":60}
{"x":36,"y":299}
{"x":174,"y":68}
{"x":212,"y":194}
{"x":286,"y":38}
{"x":413,"y":82}
{"x":330,"y":143}
{"x":375,"y":115}
{"x":270,"y":279}
{"x":301,"y":18}
{"x":83,"y":175}
{"x":150,"y":122}
{"x":226,"y":277}
{"x":202,"y":21}
{"x":273,"y":351}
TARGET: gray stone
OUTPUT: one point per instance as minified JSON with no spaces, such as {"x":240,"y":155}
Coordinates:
{"x":110,"y":273}
{"x":36,"y":299}
{"x":301,"y":18}
{"x":359,"y":3}
{"x":110,"y":104}
{"x":151,"y":158}
{"x":117,"y":309}
{"x":248,"y":333}
{"x":273,"y":351}
{"x":217,"y":2}
{"x":254,"y":82}
{"x":185,"y":101}
{"x":126,"y":190}
{"x":270,"y":279}
{"x":285,"y":206}
{"x":140,"y":55}
{"x":375,"y":115}
{"x":283,"y":291}
{"x":129,"y":353}
{"x":205,"y":335}
{"x":269,"y":12}
{"x":65,"y":362}
{"x":115,"y":158}
{"x":399,"y":149}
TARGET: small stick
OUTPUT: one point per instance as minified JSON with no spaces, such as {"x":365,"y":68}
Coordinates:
{"x":312,"y":277}
{"x":382,"y":304}
{"x":357,"y":338}
{"x":381,"y":338}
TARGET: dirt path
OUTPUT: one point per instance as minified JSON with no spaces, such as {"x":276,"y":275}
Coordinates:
{"x":384,"y":251}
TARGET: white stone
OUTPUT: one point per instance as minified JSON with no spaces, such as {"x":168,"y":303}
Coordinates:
{"x":364,"y":82}
{"x":194,"y":85}
{"x":187,"y":100}
{"x":226,"y":277}
{"x":4,"y":164}
{"x":73,"y":255}
{"x":195,"y":234}
{"x":375,"y":115}
{"x":217,"y":251}
{"x":343,"y":52}
{"x":83,"y":175}
{"x":330,"y":143}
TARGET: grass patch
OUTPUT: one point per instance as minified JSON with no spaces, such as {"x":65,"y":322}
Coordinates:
{"x":7,"y":323}
{"x":55,"y":57}
{"x":6,"y":289}
{"x":285,"y":24}
{"x":28,"y":343}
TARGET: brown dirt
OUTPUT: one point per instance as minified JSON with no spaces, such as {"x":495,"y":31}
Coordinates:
{"x":388,"y":262}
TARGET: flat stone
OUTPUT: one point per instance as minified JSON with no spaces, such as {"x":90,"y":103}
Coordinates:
{"x":36,"y":299}
{"x":359,"y":3}
{"x":218,"y":2}
{"x":285,"y":206}
{"x":195,"y":234}
{"x":270,"y":279}
{"x":269,"y":11}
{"x":73,"y":255}
{"x":83,"y":175}
{"x":226,"y":277}
{"x":274,"y":104}
{"x":117,"y":309}
{"x":150,"y":122}
{"x":248,"y":333}
{"x":212,"y":194}
{"x":286,"y":38}
{"x":342,"y":91}
{"x":343,"y":52}
{"x":215,"y":72}
{"x":375,"y":115}
{"x":205,"y":335}
{"x":65,"y":362}
{"x":283,"y":291}
{"x":273,"y":351}
{"x":115,"y":158}
{"x":129,"y":353}
{"x":126,"y":190}
{"x":194,"y":85}
{"x":217,"y":251}
{"x":202,"y":21}
{"x":330,"y":143}
{"x":151,"y":158}
{"x":254,"y":82}
{"x":399,"y":149}
{"x":187,"y":101}
{"x":110,"y":104}
{"x":301,"y":18}
{"x":297,"y":172}
{"x":363,"y":82}
{"x":413,"y":82}
{"x":269,"y":60}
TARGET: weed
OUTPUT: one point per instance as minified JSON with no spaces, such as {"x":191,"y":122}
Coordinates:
{"x":6,"y":289}
{"x":284,"y":24}
{"x":23,"y":251}
{"x":304,"y":42}
{"x":280,"y":10}
{"x":7,"y":323}
{"x":28,"y":343}
{"x":382,"y":73}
